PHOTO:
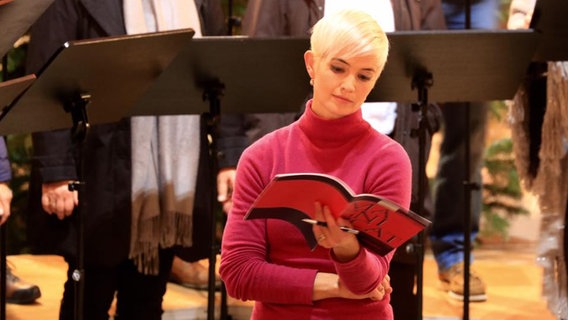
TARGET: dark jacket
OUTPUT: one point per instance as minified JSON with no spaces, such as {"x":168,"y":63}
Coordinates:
{"x":106,"y":149}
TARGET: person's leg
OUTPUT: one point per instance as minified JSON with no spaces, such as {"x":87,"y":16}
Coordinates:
{"x":140,"y":296}
{"x":100,"y":285}
{"x":448,"y":227}
{"x":484,"y":14}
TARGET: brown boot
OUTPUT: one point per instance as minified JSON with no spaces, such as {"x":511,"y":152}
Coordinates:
{"x":18,"y":291}
{"x":452,"y":282}
{"x":194,"y":275}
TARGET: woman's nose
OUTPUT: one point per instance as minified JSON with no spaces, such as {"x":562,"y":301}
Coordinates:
{"x":348,"y":83}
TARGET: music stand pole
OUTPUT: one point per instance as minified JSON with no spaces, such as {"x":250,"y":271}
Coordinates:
{"x":469,"y":186}
{"x":422,"y":82}
{"x":212,"y":93}
{"x":224,"y":308}
{"x":79,"y":131}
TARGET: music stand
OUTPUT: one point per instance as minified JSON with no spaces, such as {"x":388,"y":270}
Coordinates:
{"x":252,"y":71}
{"x":243,"y":72}
{"x":107,"y":74}
{"x":17,"y":17}
{"x":467,"y":64}
{"x":11,"y":90}
{"x":452,"y":66}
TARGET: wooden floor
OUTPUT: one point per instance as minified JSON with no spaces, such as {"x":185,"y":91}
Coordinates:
{"x":514,"y":283}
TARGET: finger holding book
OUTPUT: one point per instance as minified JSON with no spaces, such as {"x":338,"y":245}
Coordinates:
{"x":344,"y":245}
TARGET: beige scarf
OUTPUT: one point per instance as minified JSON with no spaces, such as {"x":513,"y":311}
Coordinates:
{"x":165,"y":151}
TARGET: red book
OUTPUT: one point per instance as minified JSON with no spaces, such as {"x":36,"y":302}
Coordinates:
{"x":380,"y":224}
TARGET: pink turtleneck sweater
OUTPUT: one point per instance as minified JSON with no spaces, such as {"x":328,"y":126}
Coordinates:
{"x":268,"y":261}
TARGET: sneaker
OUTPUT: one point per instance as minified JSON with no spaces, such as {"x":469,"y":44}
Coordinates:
{"x":193,"y":275}
{"x":18,"y":291}
{"x":452,"y":282}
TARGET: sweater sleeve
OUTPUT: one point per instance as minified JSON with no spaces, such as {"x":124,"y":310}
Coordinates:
{"x":245,"y":268}
{"x":52,"y":150}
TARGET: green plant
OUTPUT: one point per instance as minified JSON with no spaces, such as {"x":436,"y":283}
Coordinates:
{"x":16,"y":63}
{"x":501,"y":188}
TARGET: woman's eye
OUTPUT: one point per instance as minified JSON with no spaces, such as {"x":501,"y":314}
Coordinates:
{"x":363,"y":77}
{"x":336,"y":69}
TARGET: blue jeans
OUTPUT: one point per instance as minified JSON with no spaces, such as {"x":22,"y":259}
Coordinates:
{"x":448,"y":227}
{"x":484,"y":14}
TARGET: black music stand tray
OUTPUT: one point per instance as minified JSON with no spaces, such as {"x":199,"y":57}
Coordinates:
{"x":452,"y":66}
{"x":90,"y":82}
{"x":249,"y":72}
{"x":11,"y":90}
{"x":245,"y":72}
{"x":17,"y":17}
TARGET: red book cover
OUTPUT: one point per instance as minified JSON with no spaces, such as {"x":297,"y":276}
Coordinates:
{"x":380,"y":224}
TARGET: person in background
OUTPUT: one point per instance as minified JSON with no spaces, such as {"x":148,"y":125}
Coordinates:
{"x":17,"y":290}
{"x":268,"y":260}
{"x":125,"y":192}
{"x":539,"y":129}
{"x":448,"y":228}
{"x":295,"y":18}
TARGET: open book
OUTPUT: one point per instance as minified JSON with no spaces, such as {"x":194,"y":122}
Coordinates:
{"x":381,"y":225}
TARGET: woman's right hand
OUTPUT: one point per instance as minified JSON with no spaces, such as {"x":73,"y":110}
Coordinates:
{"x":328,"y":285}
{"x":379,"y":293}
{"x":57,"y":199}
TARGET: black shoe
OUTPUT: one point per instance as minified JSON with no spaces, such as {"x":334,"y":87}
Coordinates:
{"x":18,"y":291}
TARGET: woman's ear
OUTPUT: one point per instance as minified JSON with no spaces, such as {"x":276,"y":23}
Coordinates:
{"x":309,"y":61}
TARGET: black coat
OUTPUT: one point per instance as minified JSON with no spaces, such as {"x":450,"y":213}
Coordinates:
{"x":106,"y":150}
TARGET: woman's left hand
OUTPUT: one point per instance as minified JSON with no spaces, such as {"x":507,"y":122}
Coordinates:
{"x":345,"y":245}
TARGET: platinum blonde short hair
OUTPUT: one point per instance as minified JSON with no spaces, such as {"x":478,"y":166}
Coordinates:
{"x":350,"y":33}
